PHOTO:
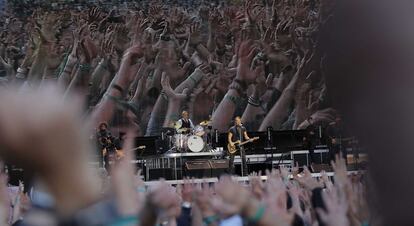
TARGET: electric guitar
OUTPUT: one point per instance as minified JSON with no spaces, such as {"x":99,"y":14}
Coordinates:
{"x":119,"y":154}
{"x":233,"y":148}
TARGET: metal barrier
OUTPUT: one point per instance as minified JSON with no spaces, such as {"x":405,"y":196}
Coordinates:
{"x":239,"y":179}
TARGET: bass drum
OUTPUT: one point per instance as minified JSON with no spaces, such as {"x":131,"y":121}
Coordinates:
{"x":195,"y":143}
{"x":180,"y":141}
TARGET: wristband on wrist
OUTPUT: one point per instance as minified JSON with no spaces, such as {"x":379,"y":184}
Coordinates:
{"x":163,"y":95}
{"x":118,"y":87}
{"x":197,"y":75}
{"x":210,"y":219}
{"x":84,"y":67}
{"x":192,"y":79}
{"x":235,"y":99}
{"x":239,"y":86}
{"x":165,"y":38}
{"x":114,"y":98}
{"x":258,"y":215}
{"x":141,"y":189}
{"x":253,"y":101}
{"x":365,"y":223}
{"x":125,"y":221}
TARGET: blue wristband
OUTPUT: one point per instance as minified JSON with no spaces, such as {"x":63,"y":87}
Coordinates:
{"x":258,"y":215}
{"x":210,"y":219}
{"x":125,"y":221}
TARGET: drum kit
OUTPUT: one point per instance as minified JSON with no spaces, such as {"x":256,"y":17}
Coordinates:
{"x":197,"y":139}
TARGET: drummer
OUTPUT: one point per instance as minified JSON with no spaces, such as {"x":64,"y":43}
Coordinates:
{"x":185,"y":125}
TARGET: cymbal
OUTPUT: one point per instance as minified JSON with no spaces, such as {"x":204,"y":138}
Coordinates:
{"x":182,"y":130}
{"x":205,"y":123}
{"x":177,"y":124}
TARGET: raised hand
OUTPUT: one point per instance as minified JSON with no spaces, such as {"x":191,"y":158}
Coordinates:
{"x":202,"y":197}
{"x":107,"y":47}
{"x":274,"y":182}
{"x":214,"y":21}
{"x":336,"y":209}
{"x":275,"y":198}
{"x":194,"y":37}
{"x":187,"y":191}
{"x":171,"y":94}
{"x":256,"y":185}
{"x":295,"y":191}
{"x":262,"y":83}
{"x":58,"y":129}
{"x":324,"y":116}
{"x":166,"y":60}
{"x":244,"y":71}
{"x":121,"y":39}
{"x":95,"y":15}
{"x":253,"y":12}
{"x":284,"y":173}
{"x":341,"y":175}
{"x":307,"y":180}
{"x":164,"y":197}
{"x":130,"y":61}
{"x":83,"y":54}
{"x":231,"y":197}
{"x":50,"y":25}
{"x":325,"y":179}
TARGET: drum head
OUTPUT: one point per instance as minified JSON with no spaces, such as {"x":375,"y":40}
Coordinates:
{"x":198,"y":131}
{"x":195,"y":143}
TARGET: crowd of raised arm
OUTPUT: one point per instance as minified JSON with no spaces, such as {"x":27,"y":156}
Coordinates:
{"x":146,"y":63}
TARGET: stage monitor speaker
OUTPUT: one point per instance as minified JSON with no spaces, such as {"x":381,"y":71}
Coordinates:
{"x":197,"y":168}
{"x":301,"y":158}
{"x":158,"y":173}
{"x":219,"y":167}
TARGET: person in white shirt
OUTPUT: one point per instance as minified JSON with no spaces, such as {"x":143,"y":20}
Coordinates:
{"x":186,"y":125}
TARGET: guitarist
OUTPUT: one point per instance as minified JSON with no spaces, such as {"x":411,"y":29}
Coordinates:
{"x":109,"y":144}
{"x":237,"y":133}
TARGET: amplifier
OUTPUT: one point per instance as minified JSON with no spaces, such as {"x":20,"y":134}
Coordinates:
{"x":219,"y":167}
{"x":197,"y":168}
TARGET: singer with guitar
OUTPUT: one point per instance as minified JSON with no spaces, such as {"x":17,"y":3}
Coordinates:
{"x":236,"y":138}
